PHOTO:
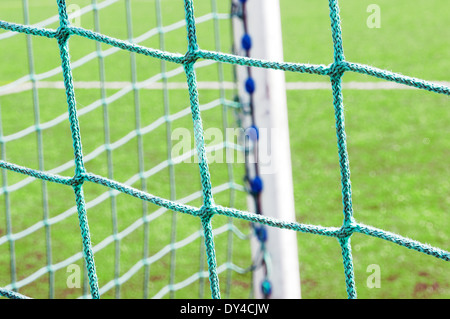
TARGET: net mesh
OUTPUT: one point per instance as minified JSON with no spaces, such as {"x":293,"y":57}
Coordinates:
{"x":207,"y":211}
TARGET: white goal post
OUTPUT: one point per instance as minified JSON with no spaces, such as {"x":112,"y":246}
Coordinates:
{"x":270,"y":114}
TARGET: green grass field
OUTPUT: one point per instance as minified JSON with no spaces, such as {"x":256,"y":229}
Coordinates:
{"x":398,"y":143}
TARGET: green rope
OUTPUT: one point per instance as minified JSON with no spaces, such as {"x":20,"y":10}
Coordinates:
{"x":208,"y":210}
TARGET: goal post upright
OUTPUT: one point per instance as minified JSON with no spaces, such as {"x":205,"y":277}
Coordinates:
{"x":263,"y":25}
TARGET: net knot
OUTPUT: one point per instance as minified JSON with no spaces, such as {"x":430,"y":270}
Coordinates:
{"x":337,"y":69}
{"x":191,"y":56}
{"x":63,"y":33}
{"x":78,"y":179}
{"x":347,"y":229}
{"x":206,"y":212}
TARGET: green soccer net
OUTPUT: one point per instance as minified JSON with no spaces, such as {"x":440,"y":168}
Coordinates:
{"x":139,"y":112}
{"x":112,"y":111}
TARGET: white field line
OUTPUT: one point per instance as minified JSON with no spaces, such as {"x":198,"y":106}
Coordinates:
{"x":114,"y":85}
{"x":24,"y":80}
{"x":355,"y":85}
{"x":213,"y":85}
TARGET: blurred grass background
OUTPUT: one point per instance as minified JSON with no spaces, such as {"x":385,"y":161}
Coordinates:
{"x":398,"y":142}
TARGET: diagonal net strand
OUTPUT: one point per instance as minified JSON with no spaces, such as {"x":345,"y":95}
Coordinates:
{"x":336,"y":84}
{"x":63,"y":38}
{"x":335,"y":71}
